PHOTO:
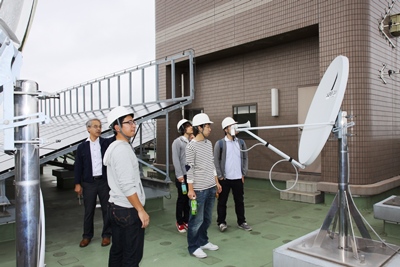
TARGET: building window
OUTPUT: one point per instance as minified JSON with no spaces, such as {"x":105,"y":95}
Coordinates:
{"x":244,"y":113}
{"x":190,"y":113}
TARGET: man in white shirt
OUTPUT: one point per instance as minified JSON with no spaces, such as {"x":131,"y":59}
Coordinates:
{"x":91,"y":180}
{"x":231,"y":163}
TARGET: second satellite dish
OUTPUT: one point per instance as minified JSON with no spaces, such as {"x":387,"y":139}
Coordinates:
{"x":324,"y":109}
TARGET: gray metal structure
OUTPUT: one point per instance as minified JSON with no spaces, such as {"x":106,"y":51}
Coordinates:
{"x":27,"y":177}
{"x":71,"y":108}
{"x":344,"y":248}
{"x":65,"y":129}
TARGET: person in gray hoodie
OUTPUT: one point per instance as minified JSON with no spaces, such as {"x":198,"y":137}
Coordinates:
{"x":185,"y":129}
{"x":127,"y":199}
{"x":231,"y":164}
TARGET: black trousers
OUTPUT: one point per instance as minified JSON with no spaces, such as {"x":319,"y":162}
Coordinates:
{"x":90,"y":192}
{"x":182,"y":203}
{"x":127,"y":237}
{"x":238,"y":197}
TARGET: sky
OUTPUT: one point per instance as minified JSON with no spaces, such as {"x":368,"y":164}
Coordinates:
{"x":74,"y":41}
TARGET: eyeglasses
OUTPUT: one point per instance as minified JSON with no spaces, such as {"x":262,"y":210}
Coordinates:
{"x":96,"y":126}
{"x":130,"y":122}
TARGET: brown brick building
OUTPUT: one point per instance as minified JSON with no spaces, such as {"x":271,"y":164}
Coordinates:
{"x":245,"y":48}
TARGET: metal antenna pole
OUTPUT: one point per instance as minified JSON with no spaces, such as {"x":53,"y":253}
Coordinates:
{"x":343,"y":207}
{"x":27,"y":181}
{"x":343,"y":185}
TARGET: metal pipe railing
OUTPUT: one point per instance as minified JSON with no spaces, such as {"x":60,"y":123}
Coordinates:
{"x":120,"y":84}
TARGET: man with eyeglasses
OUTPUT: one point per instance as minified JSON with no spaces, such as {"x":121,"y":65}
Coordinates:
{"x":91,"y":181}
{"x":127,"y":198}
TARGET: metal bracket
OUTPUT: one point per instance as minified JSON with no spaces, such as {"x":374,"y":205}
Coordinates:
{"x":382,"y":26}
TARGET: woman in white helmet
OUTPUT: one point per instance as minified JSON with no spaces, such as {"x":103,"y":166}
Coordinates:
{"x":203,"y":184}
{"x":125,"y":210}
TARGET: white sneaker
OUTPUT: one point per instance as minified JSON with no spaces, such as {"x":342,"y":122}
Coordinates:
{"x":222,"y":227}
{"x":199,"y":253}
{"x":210,"y":246}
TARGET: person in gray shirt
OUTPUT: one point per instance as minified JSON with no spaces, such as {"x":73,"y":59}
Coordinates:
{"x":179,"y":160}
{"x":127,"y":198}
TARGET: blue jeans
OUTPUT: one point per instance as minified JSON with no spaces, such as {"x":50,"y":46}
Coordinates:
{"x":127,"y":237}
{"x":199,"y":223}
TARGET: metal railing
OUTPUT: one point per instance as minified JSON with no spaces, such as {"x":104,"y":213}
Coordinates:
{"x":128,"y":87}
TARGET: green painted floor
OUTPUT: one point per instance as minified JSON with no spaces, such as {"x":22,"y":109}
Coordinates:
{"x":274,"y":221}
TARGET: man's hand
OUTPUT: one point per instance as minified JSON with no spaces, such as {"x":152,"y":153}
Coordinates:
{"x":144,"y":217}
{"x":191,"y":194}
{"x":219,"y":188}
{"x":78,"y":189}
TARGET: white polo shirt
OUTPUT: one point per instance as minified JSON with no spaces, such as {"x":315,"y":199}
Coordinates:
{"x":233,"y":163}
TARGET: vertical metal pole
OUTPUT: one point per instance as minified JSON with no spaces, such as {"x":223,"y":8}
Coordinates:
{"x":91,"y":96}
{"x":157,"y":85}
{"x":65,"y":103}
{"x":173,"y":78}
{"x":99,"y":95}
{"x":109,"y":92}
{"x":166,"y":144}
{"x":191,"y":76}
{"x":343,"y":182}
{"x":130,"y":88}
{"x":119,"y":90}
{"x":27,"y":184}
{"x":50,"y":107}
{"x":84,"y":98}
{"x":141,"y":150}
{"x":143,"y":96}
{"x":77,"y":99}
{"x":70,"y":101}
{"x":183,"y":92}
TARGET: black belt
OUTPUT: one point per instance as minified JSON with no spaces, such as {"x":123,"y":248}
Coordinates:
{"x":97,"y":177}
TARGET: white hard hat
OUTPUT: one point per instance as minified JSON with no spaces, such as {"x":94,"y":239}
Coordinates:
{"x":117,"y":113}
{"x":201,"y":119}
{"x":181,"y":122}
{"x":228,"y":121}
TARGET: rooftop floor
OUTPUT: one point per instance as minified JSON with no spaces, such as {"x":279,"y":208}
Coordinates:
{"x":274,"y":221}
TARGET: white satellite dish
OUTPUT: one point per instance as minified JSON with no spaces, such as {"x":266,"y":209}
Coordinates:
{"x":324,"y":108}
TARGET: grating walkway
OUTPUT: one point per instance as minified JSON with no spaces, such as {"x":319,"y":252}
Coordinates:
{"x":274,"y":221}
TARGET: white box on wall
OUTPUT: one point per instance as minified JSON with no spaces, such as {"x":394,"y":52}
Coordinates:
{"x":274,"y":102}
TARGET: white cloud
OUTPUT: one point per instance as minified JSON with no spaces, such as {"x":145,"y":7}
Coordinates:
{"x":73,"y":41}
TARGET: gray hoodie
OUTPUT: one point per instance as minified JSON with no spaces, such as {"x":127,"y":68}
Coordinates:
{"x":123,"y":174}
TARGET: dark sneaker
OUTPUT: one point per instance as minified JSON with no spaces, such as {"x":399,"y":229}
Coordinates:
{"x":245,"y":227}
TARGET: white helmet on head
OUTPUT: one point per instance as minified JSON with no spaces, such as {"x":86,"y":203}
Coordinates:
{"x":201,"y":119}
{"x":117,"y":113}
{"x":180,"y":123}
{"x":228,"y":121}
